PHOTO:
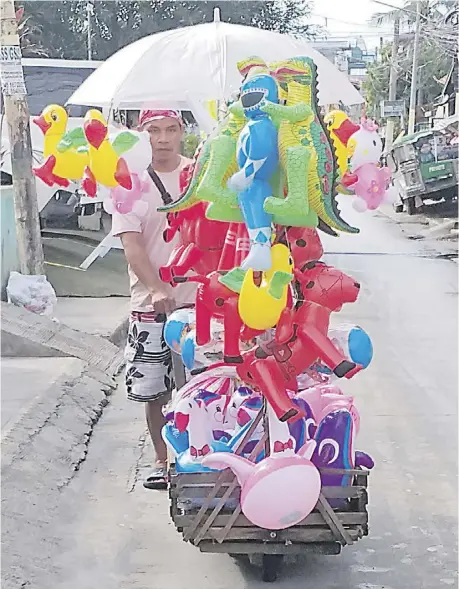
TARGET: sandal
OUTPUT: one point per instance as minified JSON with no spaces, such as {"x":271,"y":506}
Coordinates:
{"x":157,"y":479}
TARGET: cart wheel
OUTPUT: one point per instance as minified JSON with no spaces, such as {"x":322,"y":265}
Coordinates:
{"x":410,"y":206}
{"x":271,"y":566}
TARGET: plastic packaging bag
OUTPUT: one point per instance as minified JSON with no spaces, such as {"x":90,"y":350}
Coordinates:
{"x":34,"y":293}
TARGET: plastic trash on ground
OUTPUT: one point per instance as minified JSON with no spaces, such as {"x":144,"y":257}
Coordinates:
{"x":34,"y":293}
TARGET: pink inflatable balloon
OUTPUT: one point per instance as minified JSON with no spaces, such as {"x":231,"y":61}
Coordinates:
{"x":276,"y":493}
{"x":124,"y":200}
{"x":324,"y":399}
{"x":371,"y":185}
{"x":316,"y":397}
{"x":282,"y":489}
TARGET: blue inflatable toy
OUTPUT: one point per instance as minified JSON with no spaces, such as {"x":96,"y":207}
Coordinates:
{"x":257,"y":158}
{"x":354,"y":342}
{"x":176,"y":326}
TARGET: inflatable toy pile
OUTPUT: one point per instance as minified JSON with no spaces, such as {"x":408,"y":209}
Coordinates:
{"x":260,"y":341}
{"x":209,"y":420}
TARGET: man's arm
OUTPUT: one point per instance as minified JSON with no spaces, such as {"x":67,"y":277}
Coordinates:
{"x":136,"y":255}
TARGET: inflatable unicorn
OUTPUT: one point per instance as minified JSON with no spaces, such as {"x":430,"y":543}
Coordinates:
{"x":335,"y":449}
{"x":191,"y":415}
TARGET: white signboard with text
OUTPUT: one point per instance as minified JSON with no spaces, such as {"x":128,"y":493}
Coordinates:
{"x":11,"y":74}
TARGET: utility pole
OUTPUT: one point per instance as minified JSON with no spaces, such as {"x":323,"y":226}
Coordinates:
{"x":414,"y":73}
{"x":393,"y":83}
{"x":18,"y":120}
{"x":89,"y":14}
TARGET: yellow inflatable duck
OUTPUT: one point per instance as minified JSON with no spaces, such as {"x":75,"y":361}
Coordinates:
{"x":62,"y":162}
{"x":261,"y":306}
{"x":105,"y":164}
{"x":341,"y":128}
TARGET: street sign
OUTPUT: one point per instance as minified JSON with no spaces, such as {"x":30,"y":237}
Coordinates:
{"x":12,"y":77}
{"x":392,"y":108}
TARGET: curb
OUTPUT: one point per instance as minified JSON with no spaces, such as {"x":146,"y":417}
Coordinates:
{"x":41,"y":454}
{"x":423,"y":229}
{"x":27,"y":334}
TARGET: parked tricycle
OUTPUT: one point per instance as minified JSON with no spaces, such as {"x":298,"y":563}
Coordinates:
{"x":425,"y":167}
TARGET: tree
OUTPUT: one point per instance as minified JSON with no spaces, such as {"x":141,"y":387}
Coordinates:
{"x":62,"y":27}
{"x":28,"y":34}
{"x":434,"y":64}
{"x":434,"y":58}
{"x":57,"y":27}
{"x":438,"y":28}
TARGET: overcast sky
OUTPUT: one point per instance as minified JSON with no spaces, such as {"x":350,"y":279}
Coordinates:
{"x":349,"y":18}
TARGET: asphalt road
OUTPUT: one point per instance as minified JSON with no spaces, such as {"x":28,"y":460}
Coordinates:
{"x":104,"y":278}
{"x":110,"y":533}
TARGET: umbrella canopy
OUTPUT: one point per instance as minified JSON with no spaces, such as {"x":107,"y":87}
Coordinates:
{"x":164,"y":69}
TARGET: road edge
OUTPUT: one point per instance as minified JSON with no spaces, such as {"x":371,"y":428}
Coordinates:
{"x":41,"y":453}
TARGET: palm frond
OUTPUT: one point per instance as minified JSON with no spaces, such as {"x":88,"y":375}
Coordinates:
{"x":383,"y":18}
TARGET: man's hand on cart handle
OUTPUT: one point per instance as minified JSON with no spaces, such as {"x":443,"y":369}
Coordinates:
{"x":162,"y":303}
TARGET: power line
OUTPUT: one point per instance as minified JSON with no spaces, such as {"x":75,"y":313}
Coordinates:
{"x":347,"y":34}
{"x":346,"y":22}
{"x":402,"y":9}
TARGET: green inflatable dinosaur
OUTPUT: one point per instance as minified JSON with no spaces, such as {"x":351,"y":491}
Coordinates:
{"x":216,"y":163}
{"x":307,"y":170}
{"x":306,"y":153}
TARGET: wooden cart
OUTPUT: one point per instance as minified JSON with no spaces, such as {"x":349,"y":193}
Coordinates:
{"x":206,"y":511}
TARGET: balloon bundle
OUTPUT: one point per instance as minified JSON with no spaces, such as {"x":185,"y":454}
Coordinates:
{"x":260,"y":339}
{"x":359,"y":150}
{"x":95,"y":156}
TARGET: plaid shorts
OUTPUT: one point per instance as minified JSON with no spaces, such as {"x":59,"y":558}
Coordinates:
{"x":149,"y":373}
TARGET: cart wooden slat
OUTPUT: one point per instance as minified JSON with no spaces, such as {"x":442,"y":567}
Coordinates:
{"x":344,"y":524}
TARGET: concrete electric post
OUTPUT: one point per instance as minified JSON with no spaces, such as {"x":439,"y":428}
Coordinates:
{"x":18,"y":120}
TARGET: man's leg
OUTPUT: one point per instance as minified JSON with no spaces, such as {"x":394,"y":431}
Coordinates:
{"x":155,"y":422}
{"x":149,"y":380}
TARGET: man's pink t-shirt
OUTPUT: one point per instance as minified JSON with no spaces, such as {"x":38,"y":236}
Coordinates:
{"x":151,"y":224}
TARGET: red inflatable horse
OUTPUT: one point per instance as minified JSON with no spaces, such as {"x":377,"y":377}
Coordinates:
{"x":201,"y":240}
{"x":213,"y":299}
{"x":304,"y":243}
{"x":301,"y":338}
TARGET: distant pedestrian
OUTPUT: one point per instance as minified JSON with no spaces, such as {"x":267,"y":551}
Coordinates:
{"x":149,"y":376}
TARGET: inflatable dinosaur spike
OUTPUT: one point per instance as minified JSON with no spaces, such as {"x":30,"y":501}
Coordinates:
{"x":246,"y":65}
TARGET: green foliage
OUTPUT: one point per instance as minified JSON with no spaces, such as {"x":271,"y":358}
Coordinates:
{"x":190,"y":143}
{"x":434,"y":56}
{"x":61,"y":27}
{"x":434,"y":64}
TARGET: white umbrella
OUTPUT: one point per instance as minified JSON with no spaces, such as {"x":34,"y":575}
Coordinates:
{"x":164,"y":69}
